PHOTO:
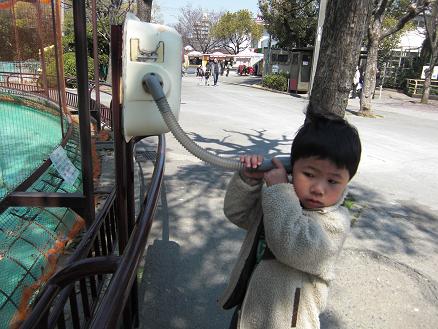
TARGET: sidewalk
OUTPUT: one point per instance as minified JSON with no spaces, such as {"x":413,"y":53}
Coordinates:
{"x":386,"y":275}
{"x":391,"y":99}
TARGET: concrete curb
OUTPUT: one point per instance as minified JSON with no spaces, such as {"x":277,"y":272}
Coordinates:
{"x":256,"y":86}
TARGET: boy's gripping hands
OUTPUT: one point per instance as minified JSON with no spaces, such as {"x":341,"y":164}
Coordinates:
{"x":251,"y":162}
{"x":277,"y":175}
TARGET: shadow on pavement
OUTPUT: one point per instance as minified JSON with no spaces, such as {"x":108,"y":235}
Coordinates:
{"x":186,"y":273}
{"x":186,"y":268}
{"x":259,"y":144}
{"x":400,"y":227}
{"x":251,"y":80}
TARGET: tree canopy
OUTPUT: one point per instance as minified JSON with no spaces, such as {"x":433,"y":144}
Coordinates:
{"x":391,"y":41}
{"x":107,"y":12}
{"x":291,"y":22}
{"x":236,"y":30}
{"x":194,"y":25}
{"x":24,"y":41}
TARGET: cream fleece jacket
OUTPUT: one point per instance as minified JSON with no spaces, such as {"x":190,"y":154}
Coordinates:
{"x":291,"y":290}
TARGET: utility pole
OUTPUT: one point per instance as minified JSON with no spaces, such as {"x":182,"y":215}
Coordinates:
{"x":321,"y":19}
{"x":268,"y":56}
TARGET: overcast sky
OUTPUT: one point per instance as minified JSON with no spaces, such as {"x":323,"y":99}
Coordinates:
{"x":170,"y":8}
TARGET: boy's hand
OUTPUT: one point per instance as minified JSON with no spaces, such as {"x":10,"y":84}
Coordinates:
{"x":251,"y":161}
{"x":277,"y":175}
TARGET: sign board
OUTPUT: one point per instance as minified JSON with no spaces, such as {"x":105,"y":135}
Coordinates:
{"x":64,"y":166}
{"x":275,"y":68}
{"x":434,"y":73}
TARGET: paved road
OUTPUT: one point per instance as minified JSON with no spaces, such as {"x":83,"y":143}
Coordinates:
{"x":386,"y":275}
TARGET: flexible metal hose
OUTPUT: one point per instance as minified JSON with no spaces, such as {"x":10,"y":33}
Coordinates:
{"x":191,"y":146}
{"x":151,"y":84}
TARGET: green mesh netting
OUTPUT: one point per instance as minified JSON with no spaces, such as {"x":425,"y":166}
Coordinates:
{"x":27,"y":138}
{"x":26,"y":234}
{"x":30,"y":129}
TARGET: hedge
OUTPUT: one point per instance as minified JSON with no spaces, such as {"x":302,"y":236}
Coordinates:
{"x":277,"y":81}
{"x":69,"y":67}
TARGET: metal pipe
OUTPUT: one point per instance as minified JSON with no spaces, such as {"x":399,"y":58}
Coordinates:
{"x":17,"y":39}
{"x":83,"y":107}
{"x":96,"y":62}
{"x":58,"y":42}
{"x":58,"y":70}
{"x":321,"y":19}
{"x":120,"y":151}
{"x":43,"y":56}
{"x":119,"y":141}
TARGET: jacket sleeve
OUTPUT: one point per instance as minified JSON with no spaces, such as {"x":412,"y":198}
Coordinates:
{"x":309,"y":243}
{"x":241,"y":201}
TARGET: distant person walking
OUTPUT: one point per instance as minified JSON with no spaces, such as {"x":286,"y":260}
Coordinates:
{"x":228,"y":69}
{"x":199,"y":71}
{"x":356,"y":83}
{"x":379,"y":83}
{"x":200,"y":74}
{"x":208,"y":69}
{"x":215,"y":71}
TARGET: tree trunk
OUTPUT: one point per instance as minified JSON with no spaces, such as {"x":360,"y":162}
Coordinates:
{"x":344,"y":27}
{"x":110,"y":69}
{"x":432,"y":36}
{"x":375,"y":35}
{"x":428,"y":78}
{"x":144,"y":10}
{"x":369,"y":83}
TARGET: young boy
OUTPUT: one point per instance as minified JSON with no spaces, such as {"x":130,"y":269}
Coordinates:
{"x":299,"y":225}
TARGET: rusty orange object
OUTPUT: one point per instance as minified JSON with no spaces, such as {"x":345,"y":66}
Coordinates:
{"x":52,"y":256}
{"x":6,"y":4}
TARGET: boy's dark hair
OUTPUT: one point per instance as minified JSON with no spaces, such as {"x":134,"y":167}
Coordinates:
{"x":331,"y":138}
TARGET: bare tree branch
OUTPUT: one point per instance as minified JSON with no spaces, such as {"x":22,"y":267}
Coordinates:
{"x":413,"y":10}
{"x":195,"y":25}
{"x":380,"y":9}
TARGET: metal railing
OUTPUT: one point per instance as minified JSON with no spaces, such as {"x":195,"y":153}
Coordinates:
{"x":97,"y":286}
{"x":103,"y":116}
{"x":96,"y":274}
{"x":415,"y":87}
{"x":59,"y":301}
{"x":95,"y":283}
{"x":29,"y":82}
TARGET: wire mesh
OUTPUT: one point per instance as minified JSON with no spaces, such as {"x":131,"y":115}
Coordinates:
{"x":30,"y":132}
{"x":33,"y":124}
{"x":27,"y":36}
{"x":28,"y":234}
{"x":30,"y":56}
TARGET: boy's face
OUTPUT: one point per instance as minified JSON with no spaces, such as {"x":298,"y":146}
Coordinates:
{"x":318,"y":183}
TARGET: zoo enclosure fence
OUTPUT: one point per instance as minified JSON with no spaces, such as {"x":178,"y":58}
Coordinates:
{"x":98,"y":283}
